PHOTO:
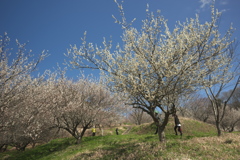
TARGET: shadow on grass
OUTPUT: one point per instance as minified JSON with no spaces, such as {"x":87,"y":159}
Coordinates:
{"x":91,"y":138}
{"x":148,"y":138}
{"x":42,"y":150}
{"x":113,"y":150}
{"x":189,"y":137}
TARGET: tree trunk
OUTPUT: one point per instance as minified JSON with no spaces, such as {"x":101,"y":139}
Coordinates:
{"x":161,"y":127}
{"x":219,"y":132}
{"x":3,"y":147}
{"x":101,"y":129}
{"x":21,"y":146}
{"x":161,"y":134}
{"x":33,"y":144}
{"x":79,"y":140}
{"x":231,"y":129}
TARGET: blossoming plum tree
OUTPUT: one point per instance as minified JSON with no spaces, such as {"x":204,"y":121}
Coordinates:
{"x":154,"y":66}
{"x":15,"y":77}
{"x":77,"y":106}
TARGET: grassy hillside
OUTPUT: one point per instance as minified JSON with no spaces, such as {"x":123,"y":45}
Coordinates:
{"x":140,"y":142}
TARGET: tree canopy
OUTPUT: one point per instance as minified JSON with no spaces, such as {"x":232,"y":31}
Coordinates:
{"x":153,"y":65}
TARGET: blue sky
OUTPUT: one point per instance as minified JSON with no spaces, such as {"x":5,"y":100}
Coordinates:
{"x":55,"y":24}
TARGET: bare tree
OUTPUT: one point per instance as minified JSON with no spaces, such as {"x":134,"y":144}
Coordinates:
{"x":231,"y":119}
{"x":232,"y":113}
{"x":235,"y":99}
{"x":228,"y":76}
{"x":219,"y":105}
{"x":196,"y":106}
{"x":138,"y":116}
{"x":154,"y":66}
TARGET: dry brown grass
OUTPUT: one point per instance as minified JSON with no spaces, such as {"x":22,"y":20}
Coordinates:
{"x":226,"y":147}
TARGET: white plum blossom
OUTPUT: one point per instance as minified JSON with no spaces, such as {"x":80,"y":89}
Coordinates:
{"x":154,"y":66}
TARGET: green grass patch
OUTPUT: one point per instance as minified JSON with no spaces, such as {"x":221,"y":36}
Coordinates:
{"x":198,"y":142}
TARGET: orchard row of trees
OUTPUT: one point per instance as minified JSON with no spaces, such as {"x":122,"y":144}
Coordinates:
{"x":32,"y":110}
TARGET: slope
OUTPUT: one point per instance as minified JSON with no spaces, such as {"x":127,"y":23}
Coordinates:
{"x":198,"y":142}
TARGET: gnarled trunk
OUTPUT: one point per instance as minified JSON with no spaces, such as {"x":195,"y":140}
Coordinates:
{"x":161,"y":128}
{"x":161,"y":134}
